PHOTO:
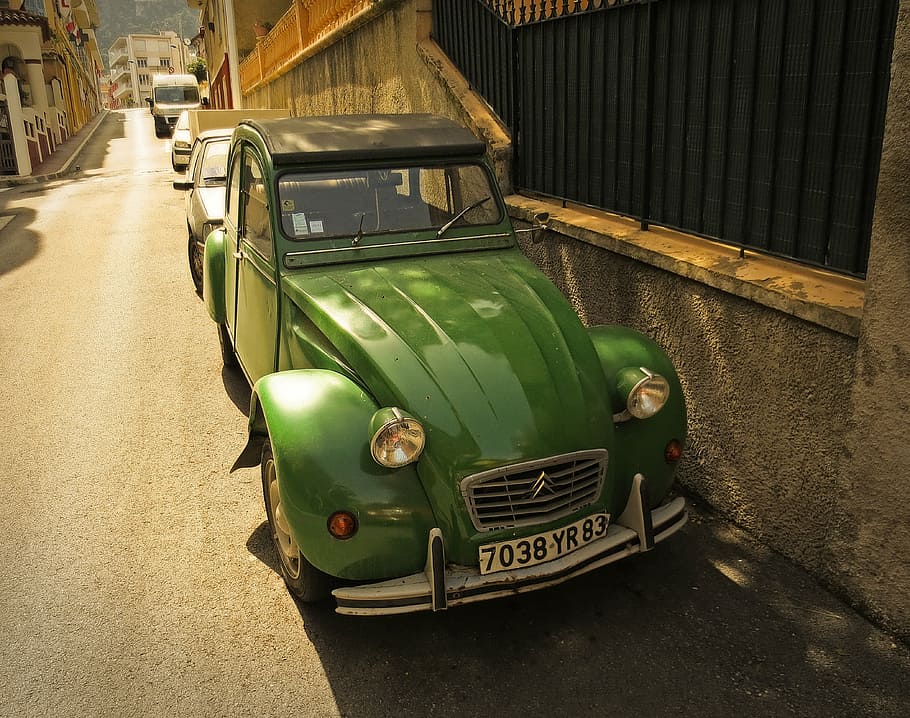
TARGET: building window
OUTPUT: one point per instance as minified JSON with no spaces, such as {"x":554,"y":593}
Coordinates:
{"x":142,"y":62}
{"x":164,"y":62}
{"x":35,"y":7}
{"x":145,"y":80}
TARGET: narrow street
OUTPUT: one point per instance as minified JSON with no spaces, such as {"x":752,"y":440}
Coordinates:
{"x":138,"y":580}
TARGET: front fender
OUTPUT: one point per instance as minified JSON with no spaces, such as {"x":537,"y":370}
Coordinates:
{"x":318,"y":424}
{"x":213,"y":276}
{"x":641,"y":442}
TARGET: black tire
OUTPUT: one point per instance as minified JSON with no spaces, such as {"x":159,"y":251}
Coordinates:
{"x":195,"y":255}
{"x":303,"y":580}
{"x":228,"y":357}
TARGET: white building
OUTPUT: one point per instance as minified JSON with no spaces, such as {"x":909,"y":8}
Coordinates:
{"x":135,"y":58}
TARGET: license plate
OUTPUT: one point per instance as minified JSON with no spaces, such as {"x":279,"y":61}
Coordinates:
{"x":542,"y":547}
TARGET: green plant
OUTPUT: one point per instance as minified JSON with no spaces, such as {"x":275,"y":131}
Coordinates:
{"x":197,"y":68}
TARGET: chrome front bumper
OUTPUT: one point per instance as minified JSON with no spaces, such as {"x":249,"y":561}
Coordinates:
{"x":439,"y":586}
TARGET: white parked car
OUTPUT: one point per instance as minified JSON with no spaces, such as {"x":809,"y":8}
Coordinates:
{"x":204,"y":188}
{"x":181,"y":143}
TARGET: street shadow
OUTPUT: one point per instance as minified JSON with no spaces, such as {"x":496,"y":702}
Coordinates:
{"x":237,"y":388}
{"x":260,"y":545}
{"x":18,"y":243}
{"x":708,"y":624}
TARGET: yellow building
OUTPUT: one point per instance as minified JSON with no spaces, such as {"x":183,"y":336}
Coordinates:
{"x":228,"y":34}
{"x":51,"y":66}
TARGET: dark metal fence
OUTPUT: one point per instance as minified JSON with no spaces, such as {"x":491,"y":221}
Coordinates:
{"x":755,"y":122}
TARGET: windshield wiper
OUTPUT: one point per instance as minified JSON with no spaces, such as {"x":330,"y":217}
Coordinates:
{"x":442,"y":230}
{"x":359,"y":235}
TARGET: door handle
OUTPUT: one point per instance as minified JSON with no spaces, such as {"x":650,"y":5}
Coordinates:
{"x":239,"y":255}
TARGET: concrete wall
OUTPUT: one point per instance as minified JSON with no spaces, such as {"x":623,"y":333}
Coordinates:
{"x":795,"y":425}
{"x":379,"y":67}
{"x":768,"y":394}
{"x":872,"y":547}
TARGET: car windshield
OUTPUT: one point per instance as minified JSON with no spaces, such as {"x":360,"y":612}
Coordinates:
{"x":352,"y":203}
{"x":177,"y":94}
{"x":214,"y":163}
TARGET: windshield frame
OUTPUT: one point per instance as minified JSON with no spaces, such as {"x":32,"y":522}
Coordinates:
{"x":296,"y":254}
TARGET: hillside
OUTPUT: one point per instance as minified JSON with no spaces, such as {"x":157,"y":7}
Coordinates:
{"x":123,"y":17}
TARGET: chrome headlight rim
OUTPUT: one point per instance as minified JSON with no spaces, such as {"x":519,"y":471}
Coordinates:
{"x":386,"y":445}
{"x":645,"y":393}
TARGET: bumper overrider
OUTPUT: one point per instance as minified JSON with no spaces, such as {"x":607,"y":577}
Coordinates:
{"x":439,"y":586}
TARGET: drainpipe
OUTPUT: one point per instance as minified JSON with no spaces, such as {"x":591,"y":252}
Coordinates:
{"x":233,"y":55}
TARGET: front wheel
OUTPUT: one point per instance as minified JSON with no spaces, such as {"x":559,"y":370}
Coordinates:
{"x":304,"y":580}
{"x":195,"y":256}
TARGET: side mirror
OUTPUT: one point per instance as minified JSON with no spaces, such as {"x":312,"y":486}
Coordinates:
{"x":150,"y":101}
{"x":182,"y":185}
{"x":205,"y":102}
{"x":537,"y":228}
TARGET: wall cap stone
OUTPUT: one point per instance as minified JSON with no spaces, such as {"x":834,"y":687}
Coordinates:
{"x":815,"y":295}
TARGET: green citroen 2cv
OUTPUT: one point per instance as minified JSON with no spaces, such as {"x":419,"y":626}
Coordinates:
{"x":434,"y":424}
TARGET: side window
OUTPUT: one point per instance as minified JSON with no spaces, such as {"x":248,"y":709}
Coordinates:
{"x":256,"y":227}
{"x":232,"y":208}
{"x":214,"y":160}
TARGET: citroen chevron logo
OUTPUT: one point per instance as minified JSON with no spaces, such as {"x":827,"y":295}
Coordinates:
{"x":543,"y":484}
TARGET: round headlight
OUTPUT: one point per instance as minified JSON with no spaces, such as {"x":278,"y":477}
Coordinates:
{"x":397,"y":439}
{"x":645,"y":392}
{"x":648,"y":396}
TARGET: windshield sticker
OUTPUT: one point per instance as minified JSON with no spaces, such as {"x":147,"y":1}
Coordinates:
{"x":287,"y":205}
{"x":316,"y":226}
{"x":300,"y":225}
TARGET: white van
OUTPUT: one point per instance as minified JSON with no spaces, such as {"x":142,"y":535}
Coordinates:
{"x":171,"y":95}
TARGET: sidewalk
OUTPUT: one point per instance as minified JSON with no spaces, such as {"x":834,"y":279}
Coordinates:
{"x":61,"y":162}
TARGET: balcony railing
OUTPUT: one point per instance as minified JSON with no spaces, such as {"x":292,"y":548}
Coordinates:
{"x":118,"y":72}
{"x":121,"y":90}
{"x":304,"y":24}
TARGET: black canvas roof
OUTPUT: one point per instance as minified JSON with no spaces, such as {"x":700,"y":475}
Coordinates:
{"x":341,"y":138}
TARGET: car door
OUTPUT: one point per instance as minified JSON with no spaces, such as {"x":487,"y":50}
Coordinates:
{"x":192,"y":175}
{"x":231,"y":244}
{"x":256,"y":310}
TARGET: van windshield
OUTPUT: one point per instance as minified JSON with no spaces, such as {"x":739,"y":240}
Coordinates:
{"x":176,"y":94}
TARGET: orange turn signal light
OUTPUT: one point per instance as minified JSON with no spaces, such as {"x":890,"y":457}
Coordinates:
{"x":673,"y":451}
{"x":342,"y":524}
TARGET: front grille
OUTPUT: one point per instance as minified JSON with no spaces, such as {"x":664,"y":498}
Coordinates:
{"x":534,"y":492}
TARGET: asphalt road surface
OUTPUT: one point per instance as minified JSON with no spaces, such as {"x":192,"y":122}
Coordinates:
{"x":137,"y":578}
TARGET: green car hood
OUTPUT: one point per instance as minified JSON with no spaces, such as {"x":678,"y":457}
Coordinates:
{"x":481,"y":347}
